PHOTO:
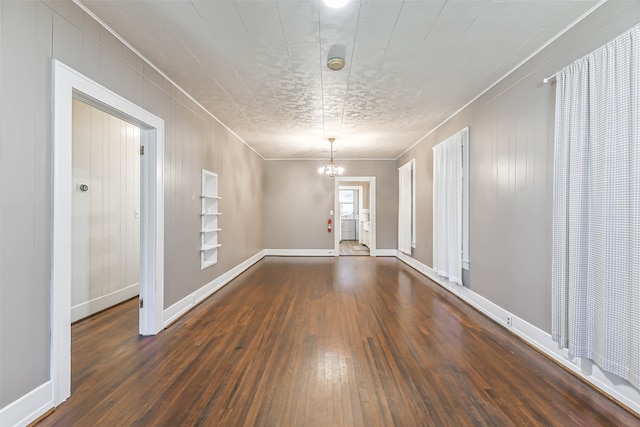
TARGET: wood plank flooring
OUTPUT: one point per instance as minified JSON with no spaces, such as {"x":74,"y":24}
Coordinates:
{"x":353,"y":248}
{"x":347,"y":341}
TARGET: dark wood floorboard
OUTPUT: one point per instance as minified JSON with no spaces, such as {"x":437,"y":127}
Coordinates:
{"x":348,"y":341}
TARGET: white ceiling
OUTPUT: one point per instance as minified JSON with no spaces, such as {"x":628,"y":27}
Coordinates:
{"x":260,"y":67}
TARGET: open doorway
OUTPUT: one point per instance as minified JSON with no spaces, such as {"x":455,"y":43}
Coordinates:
{"x":353,"y":219}
{"x":354,"y":207}
{"x":105,"y":225}
{"x":69,"y":85}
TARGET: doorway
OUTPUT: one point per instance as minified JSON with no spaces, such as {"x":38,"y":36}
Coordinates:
{"x":354,"y":208}
{"x":68,"y":85}
{"x":353,"y":219}
{"x":105,"y":226}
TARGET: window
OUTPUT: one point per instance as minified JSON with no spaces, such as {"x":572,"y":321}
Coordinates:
{"x":346,"y":202}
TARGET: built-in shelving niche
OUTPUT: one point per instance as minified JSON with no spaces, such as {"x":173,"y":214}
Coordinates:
{"x":209,"y":212}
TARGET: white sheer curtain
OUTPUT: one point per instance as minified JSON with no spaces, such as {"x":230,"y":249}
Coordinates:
{"x":405,"y":207}
{"x":447,"y":208}
{"x":596,"y":208}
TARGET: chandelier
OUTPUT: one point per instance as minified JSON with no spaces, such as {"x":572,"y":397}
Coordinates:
{"x":331,"y":168}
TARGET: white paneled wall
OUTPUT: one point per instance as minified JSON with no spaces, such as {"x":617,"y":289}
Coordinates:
{"x":106,"y":217}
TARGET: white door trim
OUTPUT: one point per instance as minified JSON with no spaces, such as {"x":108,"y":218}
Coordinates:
{"x":372,"y":208}
{"x":67,"y":84}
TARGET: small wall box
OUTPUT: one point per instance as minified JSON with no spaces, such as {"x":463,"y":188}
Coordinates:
{"x":209,"y":220}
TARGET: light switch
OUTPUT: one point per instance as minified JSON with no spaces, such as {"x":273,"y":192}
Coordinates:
{"x":331,"y":212}
{"x":136,"y":214}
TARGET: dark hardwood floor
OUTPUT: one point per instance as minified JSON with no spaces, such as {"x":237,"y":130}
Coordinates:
{"x":348,"y":341}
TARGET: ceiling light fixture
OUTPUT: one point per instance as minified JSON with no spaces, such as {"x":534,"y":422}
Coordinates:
{"x":331,"y":169}
{"x":336,"y":3}
{"x":335,"y":64}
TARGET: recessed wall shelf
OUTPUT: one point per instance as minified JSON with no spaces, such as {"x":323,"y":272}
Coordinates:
{"x":209,"y":220}
{"x":209,"y":247}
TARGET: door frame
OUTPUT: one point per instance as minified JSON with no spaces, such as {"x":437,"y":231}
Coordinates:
{"x":372,"y":209}
{"x":69,"y":84}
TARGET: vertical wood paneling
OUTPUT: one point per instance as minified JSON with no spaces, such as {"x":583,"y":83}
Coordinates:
{"x":81,"y":232}
{"x":123,"y":212}
{"x":17,"y":189}
{"x":91,"y":50}
{"x":32,"y":33}
{"x":3,"y":392}
{"x":113,"y":188}
{"x":130,"y":248}
{"x":106,"y":232}
{"x":42,"y":170}
{"x":96,"y":275}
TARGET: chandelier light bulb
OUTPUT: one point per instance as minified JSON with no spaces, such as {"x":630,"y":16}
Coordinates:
{"x":331,"y":169}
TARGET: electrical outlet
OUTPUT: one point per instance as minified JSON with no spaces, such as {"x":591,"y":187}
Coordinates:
{"x":509,"y":321}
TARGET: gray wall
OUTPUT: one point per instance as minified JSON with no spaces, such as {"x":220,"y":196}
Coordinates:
{"x":298,"y":200}
{"x":511,"y":148}
{"x":31,"y":34}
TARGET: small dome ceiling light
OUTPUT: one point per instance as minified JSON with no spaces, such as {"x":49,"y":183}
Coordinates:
{"x":335,"y":64}
{"x":336,"y":3}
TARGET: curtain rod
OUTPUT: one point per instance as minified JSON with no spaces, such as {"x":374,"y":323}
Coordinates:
{"x":549,"y":79}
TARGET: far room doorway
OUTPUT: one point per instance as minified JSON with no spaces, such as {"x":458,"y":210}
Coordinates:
{"x":354,"y":210}
{"x":353,"y":219}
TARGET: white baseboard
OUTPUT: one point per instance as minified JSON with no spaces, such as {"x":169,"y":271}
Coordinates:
{"x":88,"y":308}
{"x":181,"y":307}
{"x":319,"y":252}
{"x":29,"y":407}
{"x":386,"y":252}
{"x":617,"y":388}
{"x":299,"y":252}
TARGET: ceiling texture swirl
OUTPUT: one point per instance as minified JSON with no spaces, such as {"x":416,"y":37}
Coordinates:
{"x":260,"y":66}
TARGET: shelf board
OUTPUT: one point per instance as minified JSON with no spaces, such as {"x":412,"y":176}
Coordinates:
{"x":210,"y":213}
{"x":210,"y":197}
{"x":206,"y":264}
{"x":210,"y":230}
{"x":210,"y":247}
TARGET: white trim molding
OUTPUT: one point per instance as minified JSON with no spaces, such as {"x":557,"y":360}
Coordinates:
{"x":186,"y":304}
{"x":616,"y":388}
{"x":386,"y":252}
{"x":69,"y":84}
{"x":300,"y":252}
{"x":85,"y":309}
{"x":29,"y":407}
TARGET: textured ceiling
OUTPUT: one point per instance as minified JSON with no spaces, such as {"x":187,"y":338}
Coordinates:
{"x":260,"y":67}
